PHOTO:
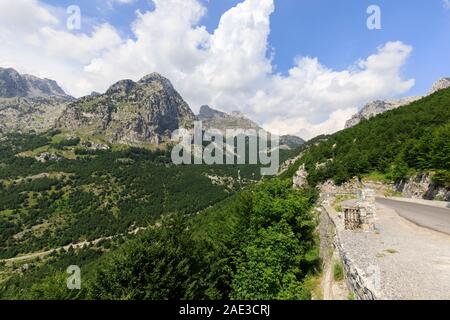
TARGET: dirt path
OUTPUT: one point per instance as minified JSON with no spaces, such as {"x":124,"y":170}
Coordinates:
{"x":327,"y":282}
{"x":333,"y":290}
{"x":35,"y":255}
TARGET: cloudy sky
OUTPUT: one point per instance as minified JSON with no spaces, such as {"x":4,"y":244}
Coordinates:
{"x":299,"y":66}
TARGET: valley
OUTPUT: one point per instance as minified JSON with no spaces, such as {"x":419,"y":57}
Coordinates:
{"x":95,"y":186}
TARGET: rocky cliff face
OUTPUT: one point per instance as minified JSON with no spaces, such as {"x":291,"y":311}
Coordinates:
{"x":14,"y":85}
{"x":375,"y":108}
{"x":29,"y":103}
{"x":422,"y":186}
{"x":147,"y":111}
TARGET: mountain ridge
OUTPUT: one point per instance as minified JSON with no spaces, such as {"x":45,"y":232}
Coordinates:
{"x":129,"y":112}
{"x":377,"y":107}
{"x":215,"y":119}
{"x":13,"y":85}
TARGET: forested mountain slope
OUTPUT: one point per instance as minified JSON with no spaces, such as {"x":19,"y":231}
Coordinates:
{"x":119,"y":201}
{"x":397,"y":143}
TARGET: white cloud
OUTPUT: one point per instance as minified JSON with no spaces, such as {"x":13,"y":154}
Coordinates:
{"x":227,"y":69}
{"x":111,"y":3}
{"x":446,"y":4}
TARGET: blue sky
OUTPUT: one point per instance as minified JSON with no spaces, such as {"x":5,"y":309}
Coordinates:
{"x":299,"y":67}
{"x":333,"y":31}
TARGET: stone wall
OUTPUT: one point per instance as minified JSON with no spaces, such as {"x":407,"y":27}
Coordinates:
{"x":329,"y":235}
{"x":355,"y":279}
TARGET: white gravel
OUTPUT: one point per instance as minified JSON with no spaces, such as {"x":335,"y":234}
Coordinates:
{"x":412,"y":262}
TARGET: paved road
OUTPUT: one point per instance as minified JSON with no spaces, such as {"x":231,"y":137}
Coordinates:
{"x":430,"y":217}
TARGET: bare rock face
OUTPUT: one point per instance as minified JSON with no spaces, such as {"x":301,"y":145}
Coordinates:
{"x":422,"y":186}
{"x":29,"y":103}
{"x":13,"y":85}
{"x":375,"y":108}
{"x":441,"y":84}
{"x":133,"y":113}
{"x":300,"y":178}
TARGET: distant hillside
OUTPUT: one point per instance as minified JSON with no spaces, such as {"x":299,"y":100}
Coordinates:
{"x":375,"y":108}
{"x":215,"y":119}
{"x":396,"y":143}
{"x":292,"y":142}
{"x":212,"y":118}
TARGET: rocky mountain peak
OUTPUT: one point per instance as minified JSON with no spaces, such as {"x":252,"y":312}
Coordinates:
{"x":154,"y":76}
{"x":206,"y":112}
{"x":155,"y":81}
{"x":146,"y":111}
{"x":441,"y":84}
{"x":15,"y":85}
{"x":28,"y":102}
{"x":122,"y":87}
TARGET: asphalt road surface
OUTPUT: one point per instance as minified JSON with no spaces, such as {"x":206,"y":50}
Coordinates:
{"x":430,"y":217}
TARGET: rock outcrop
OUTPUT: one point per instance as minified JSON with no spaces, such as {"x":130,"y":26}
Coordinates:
{"x":300,"y":179}
{"x":133,"y":113}
{"x":422,"y":186}
{"x":441,"y":84}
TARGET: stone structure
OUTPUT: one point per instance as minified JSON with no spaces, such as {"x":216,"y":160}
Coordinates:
{"x":352,"y":215}
{"x":358,"y":281}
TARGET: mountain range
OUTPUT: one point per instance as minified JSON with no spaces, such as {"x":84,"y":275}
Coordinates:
{"x":132,"y":113}
{"x":219,"y":120}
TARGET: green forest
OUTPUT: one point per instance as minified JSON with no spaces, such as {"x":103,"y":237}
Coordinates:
{"x":197,"y":235}
{"x":258,"y":244}
{"x":86,"y":197}
{"x":178,"y":232}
